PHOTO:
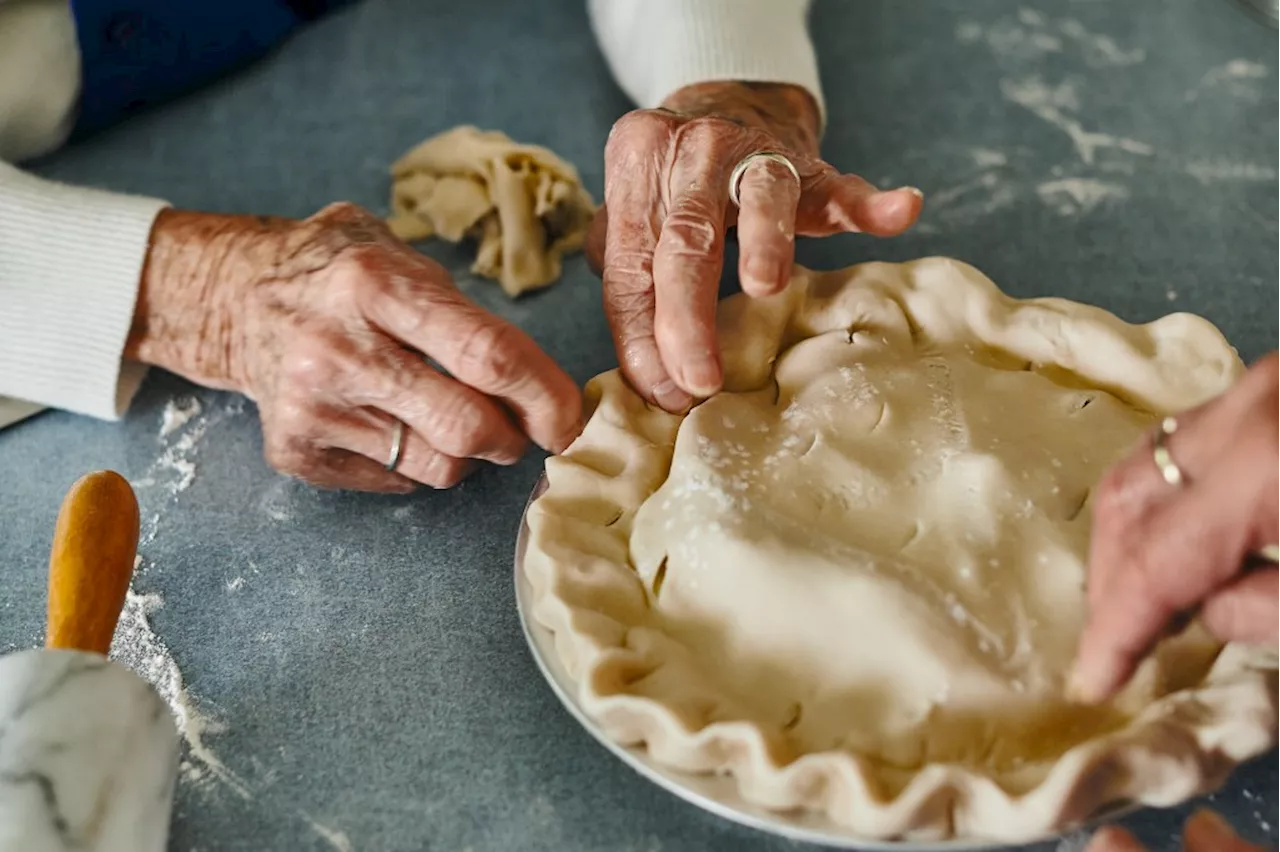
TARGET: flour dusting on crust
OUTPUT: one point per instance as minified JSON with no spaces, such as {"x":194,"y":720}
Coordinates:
{"x":854,"y":580}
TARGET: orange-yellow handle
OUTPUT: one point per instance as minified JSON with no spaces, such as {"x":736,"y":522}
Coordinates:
{"x":94,"y":546}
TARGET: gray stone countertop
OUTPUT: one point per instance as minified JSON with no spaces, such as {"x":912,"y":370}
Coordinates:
{"x":357,"y":661}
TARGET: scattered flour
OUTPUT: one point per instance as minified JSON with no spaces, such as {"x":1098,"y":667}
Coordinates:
{"x":276,"y":502}
{"x":137,"y":646}
{"x":1237,"y":79}
{"x":1007,"y":39}
{"x":976,"y":197}
{"x":1020,"y":42}
{"x":177,"y":413}
{"x":1074,"y":196}
{"x":1099,"y":51}
{"x":1031,"y":35}
{"x":1214,"y":171}
{"x":986,"y":158}
{"x":177,"y":459}
{"x":994,"y":189}
{"x":174,"y":470}
{"x":336,"y":839}
{"x":1077,"y":841}
{"x":1053,"y":105}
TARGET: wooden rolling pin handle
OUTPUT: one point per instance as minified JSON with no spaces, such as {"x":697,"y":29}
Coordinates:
{"x":95,"y":543}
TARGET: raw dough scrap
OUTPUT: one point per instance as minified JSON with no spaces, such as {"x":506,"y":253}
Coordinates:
{"x":854,"y":579}
{"x":525,"y":206}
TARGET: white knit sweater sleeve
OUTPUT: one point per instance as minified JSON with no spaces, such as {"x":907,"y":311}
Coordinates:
{"x":70,"y":258}
{"x":655,"y":47}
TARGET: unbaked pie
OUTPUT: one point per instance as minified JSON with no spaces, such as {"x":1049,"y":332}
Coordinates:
{"x":855,"y":579}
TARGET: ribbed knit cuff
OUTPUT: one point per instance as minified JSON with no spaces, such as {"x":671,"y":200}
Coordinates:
{"x":70,"y":264}
{"x":655,"y":47}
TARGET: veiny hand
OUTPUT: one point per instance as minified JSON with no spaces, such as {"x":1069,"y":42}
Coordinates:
{"x":325,"y":324}
{"x":659,"y":239}
{"x":1160,"y":551}
{"x":1205,"y":831}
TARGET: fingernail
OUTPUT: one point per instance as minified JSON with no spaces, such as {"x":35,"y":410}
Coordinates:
{"x":668,"y":395}
{"x":1079,"y":691}
{"x":501,"y":459}
{"x":911,"y":189}
{"x":566,"y":441}
{"x":763,"y":275}
{"x":702,"y":376}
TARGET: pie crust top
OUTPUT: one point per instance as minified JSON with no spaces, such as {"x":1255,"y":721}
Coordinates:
{"x":854,"y":579}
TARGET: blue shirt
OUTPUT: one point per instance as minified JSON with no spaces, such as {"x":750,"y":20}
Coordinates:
{"x":136,"y":53}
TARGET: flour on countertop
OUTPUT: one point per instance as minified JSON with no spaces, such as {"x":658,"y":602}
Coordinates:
{"x":174,"y":470}
{"x":1077,"y":841}
{"x":978,"y":196}
{"x":136,"y":646}
{"x":336,"y":839}
{"x":177,"y":413}
{"x":986,"y":158}
{"x":1237,"y":79}
{"x":1009,"y":40}
{"x":1105,"y":164}
{"x":177,"y":459}
{"x":996,"y":187}
{"x":1214,"y":171}
{"x":1073,"y":196}
{"x":1054,"y":105}
{"x":276,"y":502}
{"x":1031,"y":35}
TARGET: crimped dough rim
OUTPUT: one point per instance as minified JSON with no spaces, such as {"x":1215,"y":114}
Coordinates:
{"x":588,"y":594}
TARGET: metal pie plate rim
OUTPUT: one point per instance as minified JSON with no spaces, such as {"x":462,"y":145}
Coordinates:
{"x":718,"y":794}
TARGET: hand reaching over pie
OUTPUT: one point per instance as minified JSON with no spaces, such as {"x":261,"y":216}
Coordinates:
{"x":1205,"y":831}
{"x":659,"y":240}
{"x":1178,"y":527}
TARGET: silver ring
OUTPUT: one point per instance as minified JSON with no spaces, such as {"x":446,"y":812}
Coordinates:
{"x":1173,"y":475}
{"x":397,"y":445}
{"x":735,"y":177}
{"x":1160,"y":454}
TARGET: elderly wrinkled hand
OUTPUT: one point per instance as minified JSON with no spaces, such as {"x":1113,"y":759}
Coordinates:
{"x":1161,"y":551}
{"x":1205,"y":831}
{"x":659,"y":239}
{"x":327,"y":323}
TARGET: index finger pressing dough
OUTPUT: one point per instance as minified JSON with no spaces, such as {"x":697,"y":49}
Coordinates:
{"x":855,"y":578}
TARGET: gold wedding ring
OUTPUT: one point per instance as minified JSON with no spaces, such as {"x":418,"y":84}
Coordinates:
{"x":397,"y":446}
{"x":735,"y":177}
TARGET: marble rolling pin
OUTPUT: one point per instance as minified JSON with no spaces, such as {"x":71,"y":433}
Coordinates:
{"x":88,"y":750}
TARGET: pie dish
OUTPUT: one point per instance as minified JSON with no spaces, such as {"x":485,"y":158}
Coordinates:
{"x":853,"y":580}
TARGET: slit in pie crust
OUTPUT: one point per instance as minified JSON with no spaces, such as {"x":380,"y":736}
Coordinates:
{"x":854,"y":579}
